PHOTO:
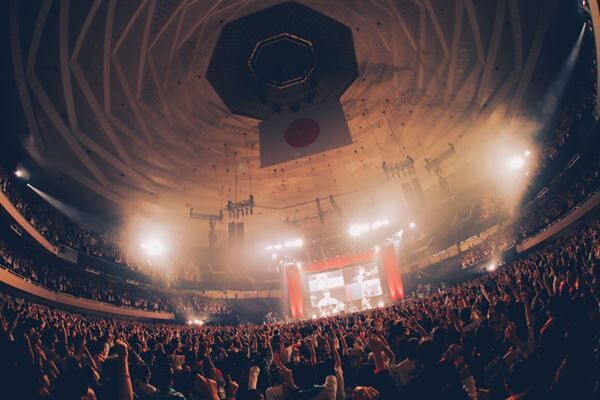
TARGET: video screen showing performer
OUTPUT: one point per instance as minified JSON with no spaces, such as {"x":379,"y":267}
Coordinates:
{"x":329,"y":301}
{"x":325,"y":280}
{"x":353,"y":288}
{"x":363,"y":282}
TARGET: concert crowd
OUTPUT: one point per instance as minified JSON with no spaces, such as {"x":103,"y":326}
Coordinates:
{"x":117,"y":293}
{"x":59,"y":229}
{"x":537,"y":217}
{"x":527,"y":331}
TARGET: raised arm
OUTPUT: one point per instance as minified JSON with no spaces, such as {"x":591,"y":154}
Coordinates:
{"x":485,"y":293}
{"x":377,"y":346}
{"x":125,"y":388}
{"x":311,"y":348}
{"x":530,"y":347}
{"x":337,"y":361}
{"x":343,"y":344}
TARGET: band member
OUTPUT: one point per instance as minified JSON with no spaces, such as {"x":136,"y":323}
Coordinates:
{"x":366,"y":304}
{"x":327,"y":300}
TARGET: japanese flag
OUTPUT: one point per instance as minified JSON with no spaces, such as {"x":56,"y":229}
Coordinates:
{"x":300,"y":134}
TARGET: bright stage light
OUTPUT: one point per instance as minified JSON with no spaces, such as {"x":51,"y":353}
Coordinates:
{"x":380,"y":304}
{"x":376,"y":248}
{"x":412,"y":225}
{"x":516,"y":163}
{"x":299,"y":265}
{"x":354,"y":230}
{"x":20,"y":173}
{"x":287,"y":244}
{"x":379,"y":223}
{"x":527,"y":153}
{"x":274,"y":256}
{"x":153,"y":247}
{"x":358,"y":229}
{"x":492,"y":267}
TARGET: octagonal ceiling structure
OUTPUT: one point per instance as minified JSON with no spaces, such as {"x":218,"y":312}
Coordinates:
{"x":117,"y":107}
{"x":280,"y":59}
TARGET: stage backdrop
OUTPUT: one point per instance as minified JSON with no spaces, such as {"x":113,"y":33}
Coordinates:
{"x":387,"y":255}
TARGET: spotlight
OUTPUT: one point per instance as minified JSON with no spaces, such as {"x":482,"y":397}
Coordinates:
{"x":358,"y":229}
{"x":274,"y":256}
{"x":516,"y":162}
{"x":492,"y":267}
{"x":354,"y":230}
{"x":376,"y":248}
{"x":527,"y":153}
{"x":269,"y":247}
{"x":298,"y":242}
{"x":19,"y":173}
{"x":277,"y":247}
{"x":288,"y":243}
{"x":380,"y":304}
{"x":412,"y":225}
{"x":153,"y":247}
{"x":379,"y":223}
{"x":299,"y":265}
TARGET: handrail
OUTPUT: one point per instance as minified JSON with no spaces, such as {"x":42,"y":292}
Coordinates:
{"x":238,"y":294}
{"x":21,"y":283}
{"x":16,"y":214}
{"x":558,"y":225}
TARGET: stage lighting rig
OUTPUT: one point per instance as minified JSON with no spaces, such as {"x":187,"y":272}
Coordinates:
{"x":335,"y":206}
{"x":295,"y":243}
{"x":240,"y":209}
{"x":393,"y":170}
{"x":435,"y":164}
{"x":206,"y":217}
{"x":320,"y":212}
{"x":358,"y":229}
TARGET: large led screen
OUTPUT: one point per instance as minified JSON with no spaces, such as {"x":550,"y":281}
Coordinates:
{"x":349,"y":289}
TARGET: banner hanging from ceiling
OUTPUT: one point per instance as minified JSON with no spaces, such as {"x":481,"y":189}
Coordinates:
{"x":300,"y":134}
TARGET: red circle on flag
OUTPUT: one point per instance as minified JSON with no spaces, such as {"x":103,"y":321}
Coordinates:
{"x":302,"y":132}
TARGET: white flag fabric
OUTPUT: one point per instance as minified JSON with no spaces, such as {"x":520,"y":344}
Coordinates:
{"x":300,"y":134}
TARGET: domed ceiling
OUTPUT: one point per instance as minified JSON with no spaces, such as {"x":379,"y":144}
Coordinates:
{"x":117,"y":105}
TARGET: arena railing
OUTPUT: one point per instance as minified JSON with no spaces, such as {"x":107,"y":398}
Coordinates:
{"x":23,"y":284}
{"x":24,"y":223}
{"x":565,"y":221}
